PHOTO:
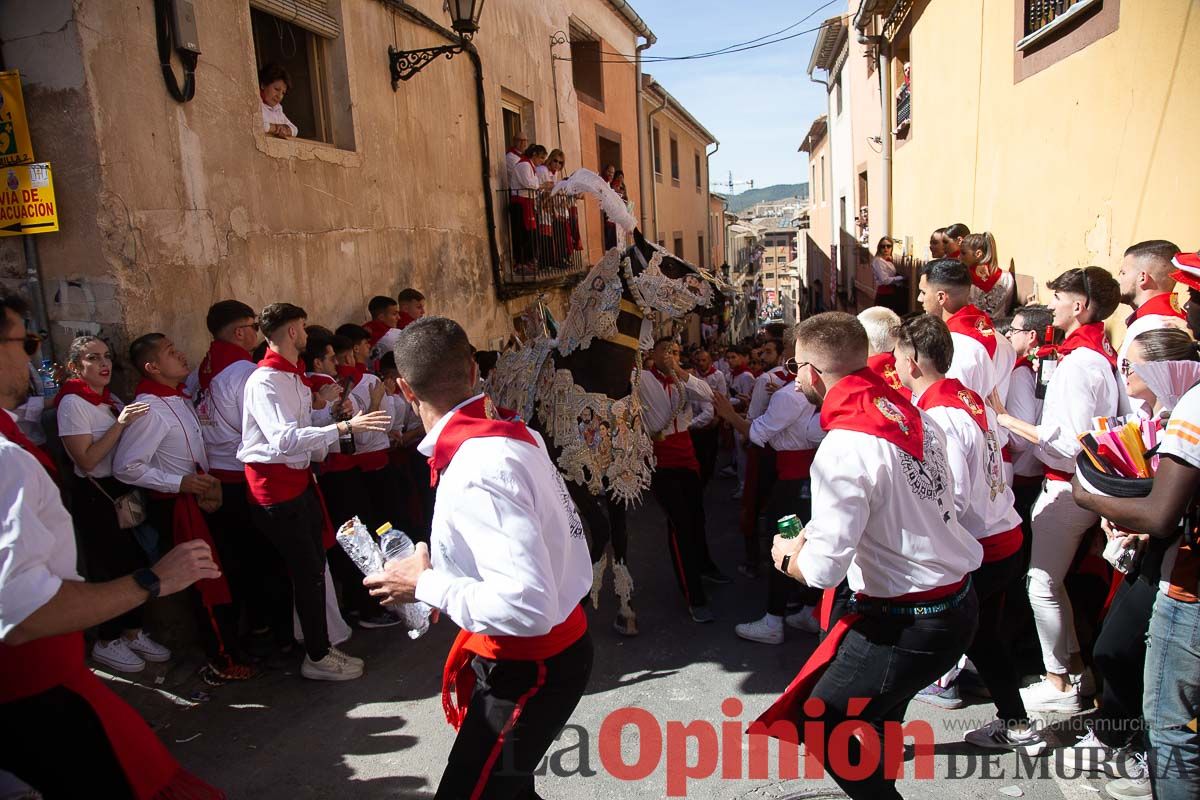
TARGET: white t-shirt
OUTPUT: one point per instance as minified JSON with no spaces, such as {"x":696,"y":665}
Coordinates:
{"x":78,"y":417}
{"x":1182,"y":440}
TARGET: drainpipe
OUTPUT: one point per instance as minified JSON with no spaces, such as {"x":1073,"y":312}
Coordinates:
{"x":708,"y":200}
{"x":637,"y":93}
{"x":653,"y":179}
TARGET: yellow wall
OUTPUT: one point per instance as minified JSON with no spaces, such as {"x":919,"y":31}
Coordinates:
{"x":1068,"y":167}
{"x":682,"y":205}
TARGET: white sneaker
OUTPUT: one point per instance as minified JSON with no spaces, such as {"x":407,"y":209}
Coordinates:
{"x":117,"y":655}
{"x":1137,"y":785}
{"x":1090,"y":754}
{"x":148,"y":649}
{"x":1085,"y":681}
{"x":352,"y":660}
{"x":997,"y":735}
{"x":762,"y":630}
{"x":1043,"y":696}
{"x":335,"y":666}
{"x":803,"y":621}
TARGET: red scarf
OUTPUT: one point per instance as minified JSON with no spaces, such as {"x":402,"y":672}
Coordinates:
{"x":188,"y":523}
{"x":10,"y":431}
{"x":1090,"y":337}
{"x":984,"y":276}
{"x":735,"y":371}
{"x":220,"y":355}
{"x":711,"y":371}
{"x":272,"y":360}
{"x":884,"y":365}
{"x":353,"y":371}
{"x":79,"y":388}
{"x":471,"y":422}
{"x":862,"y":402}
{"x":970,"y":321}
{"x":1023,"y":361}
{"x":667,"y":381}
{"x":756,"y":373}
{"x":950,"y":393}
{"x":406,"y":319}
{"x":377,"y":328}
{"x":147,"y":386}
{"x":1161,"y":305}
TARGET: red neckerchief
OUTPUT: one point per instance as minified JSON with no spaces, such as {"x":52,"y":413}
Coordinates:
{"x":10,"y":431}
{"x":525,"y":160}
{"x":985,"y":277}
{"x":273,"y":360}
{"x":756,"y":373}
{"x":666,"y":380}
{"x":1161,"y":305}
{"x":377,"y":328}
{"x":862,"y":402}
{"x":950,"y":393}
{"x":405,"y":320}
{"x":954,"y":255}
{"x":1091,"y":337}
{"x":735,"y":371}
{"x":79,"y":388}
{"x":220,"y":355}
{"x":970,"y":321}
{"x":319,"y":379}
{"x":711,"y":370}
{"x":1023,"y":362}
{"x":884,"y":365}
{"x":355,"y":371}
{"x":471,"y":422}
{"x":147,"y":386}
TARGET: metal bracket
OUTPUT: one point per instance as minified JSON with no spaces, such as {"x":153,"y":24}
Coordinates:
{"x":406,"y":63}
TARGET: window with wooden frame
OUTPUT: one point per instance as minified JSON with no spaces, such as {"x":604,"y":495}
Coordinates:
{"x":656,"y":149}
{"x":1047,"y":31}
{"x":587,"y":69}
{"x":674,"y":160}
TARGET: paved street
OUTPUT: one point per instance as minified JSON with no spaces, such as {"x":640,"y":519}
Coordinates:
{"x":385,"y":736}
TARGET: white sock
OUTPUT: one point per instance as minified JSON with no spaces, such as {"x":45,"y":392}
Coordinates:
{"x":773,"y":620}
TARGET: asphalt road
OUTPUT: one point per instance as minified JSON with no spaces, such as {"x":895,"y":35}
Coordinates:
{"x":384,"y":736}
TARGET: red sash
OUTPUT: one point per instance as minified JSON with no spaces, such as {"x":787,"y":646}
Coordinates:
{"x":884,"y":365}
{"x":458,"y":679}
{"x":1000,"y":546}
{"x":676,"y":451}
{"x":793,"y":465}
{"x":220,"y":355}
{"x":377,"y":328}
{"x":862,"y":402}
{"x":10,"y":431}
{"x":970,"y":321}
{"x":1089,"y":337}
{"x":188,"y":523}
{"x":985,"y":276}
{"x":788,"y":708}
{"x":43,"y":664}
{"x":353,"y":371}
{"x":950,"y":393}
{"x":79,"y":388}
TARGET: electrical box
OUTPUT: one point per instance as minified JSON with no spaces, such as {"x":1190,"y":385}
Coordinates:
{"x":183,"y":26}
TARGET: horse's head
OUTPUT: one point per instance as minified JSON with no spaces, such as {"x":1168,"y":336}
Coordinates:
{"x":665,"y":282}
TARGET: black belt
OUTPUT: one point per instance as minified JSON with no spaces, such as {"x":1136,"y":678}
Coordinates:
{"x":894,"y":609}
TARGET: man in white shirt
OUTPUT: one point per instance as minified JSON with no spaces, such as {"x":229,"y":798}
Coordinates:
{"x":509,"y":566}
{"x":1026,"y":334}
{"x":791,"y":427}
{"x":985,"y":509}
{"x":760,"y":458}
{"x":1083,"y":386}
{"x":279,"y":444}
{"x":884,"y":521}
{"x":983,"y":359}
{"x":514,"y":153}
{"x":50,"y":702}
{"x":1148,"y":288}
{"x":666,"y":391}
{"x":704,"y":427}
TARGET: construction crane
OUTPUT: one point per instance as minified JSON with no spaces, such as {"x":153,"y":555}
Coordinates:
{"x":731,"y":184}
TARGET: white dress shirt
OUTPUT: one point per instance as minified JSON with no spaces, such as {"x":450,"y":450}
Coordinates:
{"x":277,"y":422}
{"x":220,"y":413}
{"x":742,"y":384}
{"x":37,"y":539}
{"x":659,"y":402}
{"x":78,"y":417}
{"x":360,"y":399}
{"x":982,"y":496}
{"x":510,"y":164}
{"x":760,"y":397}
{"x":703,"y":413}
{"x":882,"y":520}
{"x":978,"y":371}
{"x":273,"y":115}
{"x":790,"y":422}
{"x":508,"y":552}
{"x":1083,"y":386}
{"x":157,"y":451}
{"x":524,"y":177}
{"x":1022,"y":402}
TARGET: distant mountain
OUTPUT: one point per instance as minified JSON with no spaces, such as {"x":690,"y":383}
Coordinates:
{"x":780,"y":191}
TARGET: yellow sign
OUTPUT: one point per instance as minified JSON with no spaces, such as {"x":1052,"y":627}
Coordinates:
{"x":27,"y":200}
{"x":15,"y":144}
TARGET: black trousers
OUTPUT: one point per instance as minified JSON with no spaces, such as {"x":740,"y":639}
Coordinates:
{"x":1119,"y":655}
{"x":108,"y":552}
{"x":886,"y":660}
{"x":294,"y":528}
{"x":346,"y":496}
{"x":40,"y":730}
{"x":989,"y":651}
{"x":517,"y":711}
{"x":678,"y":493}
{"x":788,"y":497}
{"x":755,"y":503}
{"x":706,"y":442}
{"x":605,"y":521}
{"x":257,"y":576}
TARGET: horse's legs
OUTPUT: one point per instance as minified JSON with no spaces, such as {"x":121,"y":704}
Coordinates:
{"x":626,"y":621}
{"x":593,"y":517}
{"x":619,"y":528}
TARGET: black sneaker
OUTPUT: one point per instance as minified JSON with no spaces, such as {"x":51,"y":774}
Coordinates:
{"x":715,"y":575}
{"x":383,"y":619}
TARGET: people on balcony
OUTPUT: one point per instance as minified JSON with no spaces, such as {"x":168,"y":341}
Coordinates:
{"x":523,"y":188}
{"x":514,"y":154}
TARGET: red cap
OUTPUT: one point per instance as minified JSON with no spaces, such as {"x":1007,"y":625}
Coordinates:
{"x":1187,"y":269}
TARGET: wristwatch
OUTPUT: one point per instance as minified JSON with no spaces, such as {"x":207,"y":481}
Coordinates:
{"x":146,"y":579}
{"x":783,"y":566}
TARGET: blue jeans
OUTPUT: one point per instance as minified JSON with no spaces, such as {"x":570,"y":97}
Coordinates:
{"x":1172,"y":698}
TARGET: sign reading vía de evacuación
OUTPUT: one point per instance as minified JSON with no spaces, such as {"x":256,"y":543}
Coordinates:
{"x":27,"y":200}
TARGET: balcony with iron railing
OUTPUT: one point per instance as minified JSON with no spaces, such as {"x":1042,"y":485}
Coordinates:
{"x":546,"y":244}
{"x":1044,"y":19}
{"x":903,"y":109}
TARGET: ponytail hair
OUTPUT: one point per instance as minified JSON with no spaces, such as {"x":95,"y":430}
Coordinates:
{"x":1168,"y":344}
{"x":984,"y":242}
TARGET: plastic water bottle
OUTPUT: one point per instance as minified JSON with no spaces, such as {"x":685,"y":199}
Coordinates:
{"x":396,"y":544}
{"x":49,"y":382}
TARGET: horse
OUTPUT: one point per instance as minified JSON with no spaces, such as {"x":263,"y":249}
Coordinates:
{"x":579,"y":390}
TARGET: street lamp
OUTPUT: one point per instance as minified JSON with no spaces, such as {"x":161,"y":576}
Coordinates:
{"x":464,"y":19}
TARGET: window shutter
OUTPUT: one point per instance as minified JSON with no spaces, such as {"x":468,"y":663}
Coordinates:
{"x":312,"y":15}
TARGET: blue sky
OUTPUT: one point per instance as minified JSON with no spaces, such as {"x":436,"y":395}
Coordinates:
{"x":758,"y":103}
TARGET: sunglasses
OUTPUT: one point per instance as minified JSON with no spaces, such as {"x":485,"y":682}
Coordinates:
{"x":30,"y":341}
{"x":793,"y":366}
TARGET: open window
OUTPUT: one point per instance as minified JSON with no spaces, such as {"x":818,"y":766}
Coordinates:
{"x":304,"y":38}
